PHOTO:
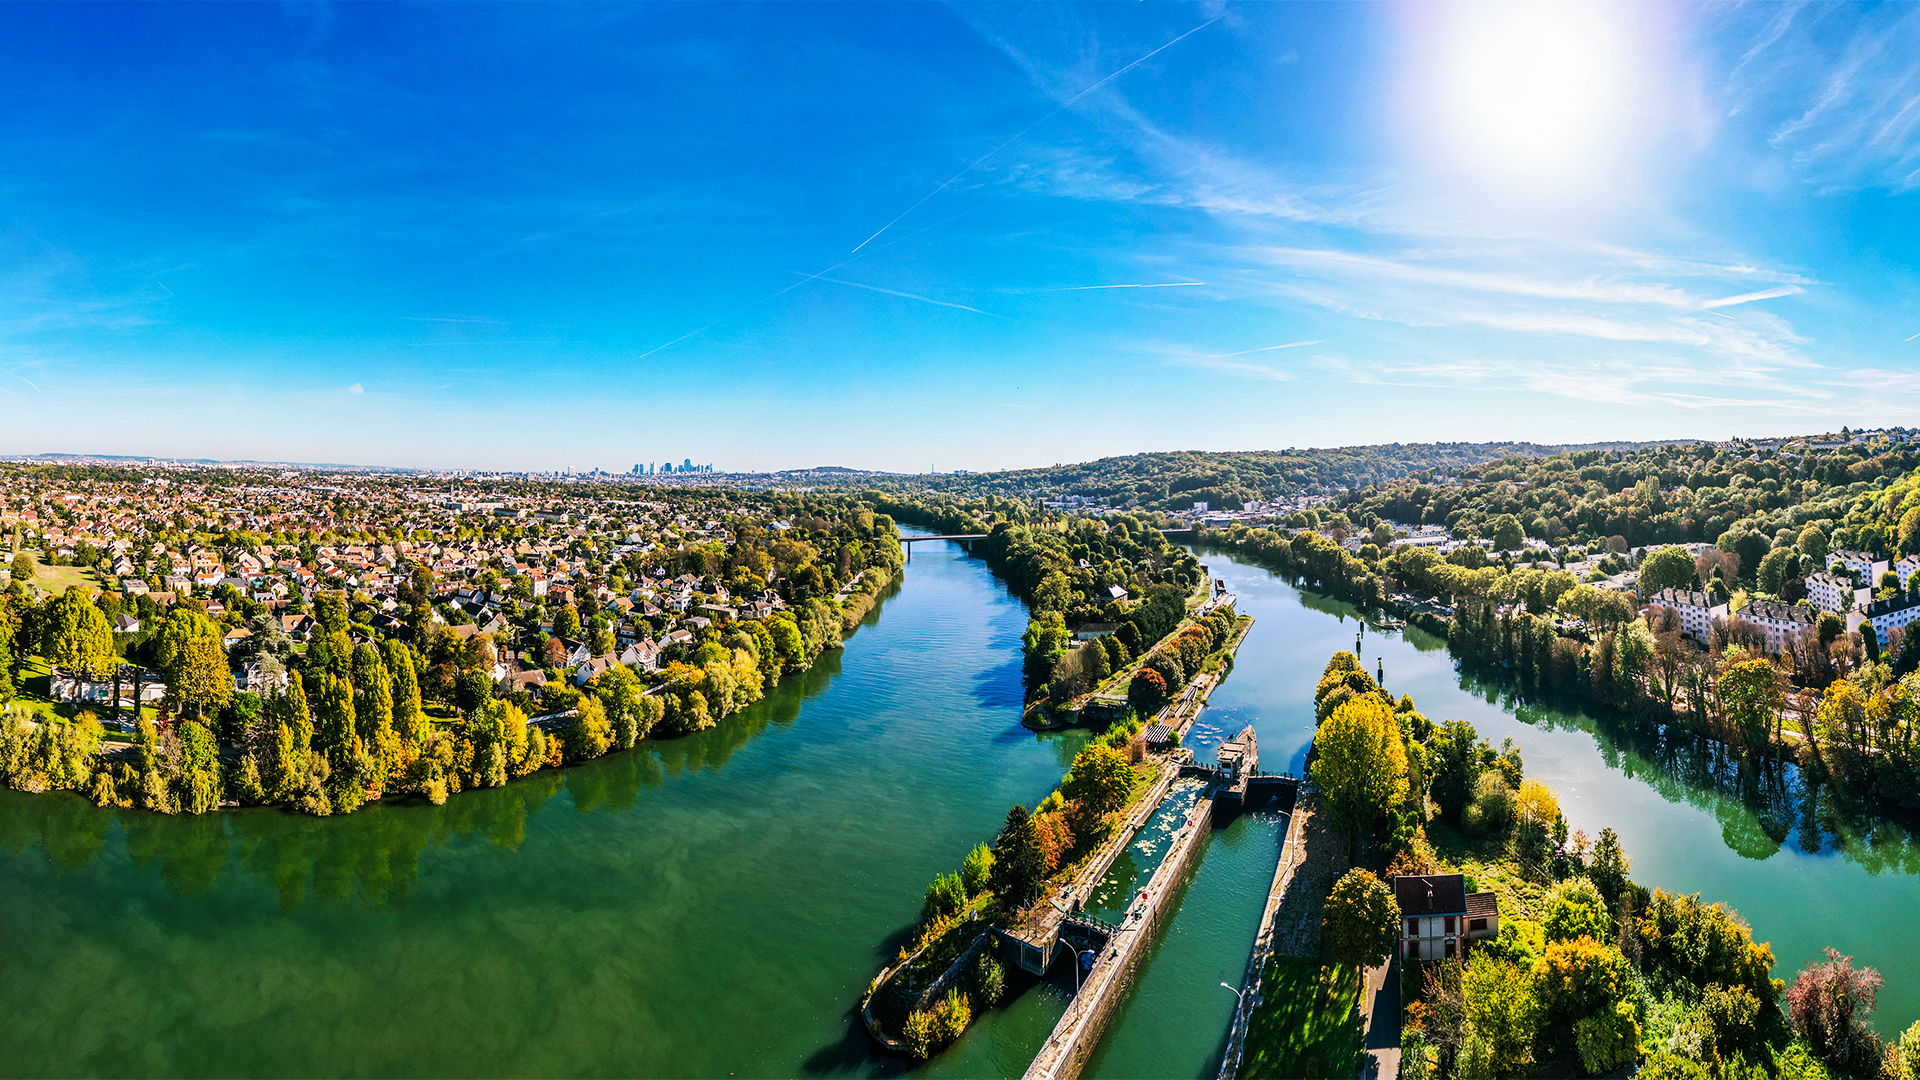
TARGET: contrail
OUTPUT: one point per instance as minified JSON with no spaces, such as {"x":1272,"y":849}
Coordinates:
{"x":1063,"y":108}
{"x":907,"y":295}
{"x":1155,"y":285}
{"x":1268,"y":348}
{"x":1910,"y":339}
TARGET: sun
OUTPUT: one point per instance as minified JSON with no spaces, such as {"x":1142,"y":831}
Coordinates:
{"x":1529,"y":91}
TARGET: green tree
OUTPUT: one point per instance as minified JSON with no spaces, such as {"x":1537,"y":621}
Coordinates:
{"x":1588,"y":1003}
{"x":77,"y":637}
{"x":1775,"y":569}
{"x":588,"y":734}
{"x":1456,"y":763}
{"x":22,"y":566}
{"x":409,"y":718}
{"x":1813,"y":544}
{"x":1101,"y":779}
{"x":1502,"y":1007}
{"x":1750,"y":692}
{"x":1361,"y":922}
{"x":976,"y":872}
{"x":1019,"y":863}
{"x":1667,"y":568}
{"x":1360,"y":766}
{"x":1506,"y":533}
{"x":566,"y":622}
{"x":1575,"y":908}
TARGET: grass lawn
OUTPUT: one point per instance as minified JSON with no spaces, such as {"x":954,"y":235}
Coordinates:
{"x":1308,"y":1022}
{"x":57,"y":579}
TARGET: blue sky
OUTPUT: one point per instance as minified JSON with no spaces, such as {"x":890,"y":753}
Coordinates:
{"x":913,"y":236}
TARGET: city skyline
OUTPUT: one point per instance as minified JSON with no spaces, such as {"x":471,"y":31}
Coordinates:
{"x":882,"y":238}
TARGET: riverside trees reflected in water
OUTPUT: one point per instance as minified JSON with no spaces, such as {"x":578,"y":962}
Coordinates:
{"x":373,"y":856}
{"x":1806,"y":865}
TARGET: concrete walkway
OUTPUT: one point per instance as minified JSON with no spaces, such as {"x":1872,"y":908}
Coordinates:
{"x":1380,"y":1016}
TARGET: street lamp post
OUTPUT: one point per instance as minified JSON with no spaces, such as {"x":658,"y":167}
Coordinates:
{"x":1238,"y":995}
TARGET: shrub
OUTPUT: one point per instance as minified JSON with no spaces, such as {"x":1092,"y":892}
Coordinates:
{"x":920,"y":1032}
{"x":945,"y":897}
{"x":977,"y":870}
{"x":989,"y":980}
{"x":1575,"y":908}
{"x":952,"y":1016}
{"x":1492,"y":809}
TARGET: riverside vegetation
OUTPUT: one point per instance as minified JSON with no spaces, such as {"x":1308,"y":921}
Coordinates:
{"x":1845,"y":706}
{"x":1590,"y":970}
{"x":354,"y":721}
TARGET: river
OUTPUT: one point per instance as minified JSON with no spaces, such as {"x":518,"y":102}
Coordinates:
{"x":715,"y":904}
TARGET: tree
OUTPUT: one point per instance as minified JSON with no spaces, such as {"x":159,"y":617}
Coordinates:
{"x":77,"y":637}
{"x":566,"y":622}
{"x":1361,"y":921}
{"x":1506,"y":533}
{"x":1503,"y":1009}
{"x":1813,"y":544}
{"x":1828,"y":1005}
{"x":1456,"y":765}
{"x":409,"y":719}
{"x":1147,"y":692}
{"x":1019,"y":865}
{"x":199,"y":679}
{"x":1775,"y":569}
{"x":22,"y":566}
{"x":588,"y":734}
{"x":1575,"y":908}
{"x":1667,"y":568}
{"x":1588,"y":1003}
{"x":1608,"y":867}
{"x":1750,"y":692}
{"x":1360,"y":766}
{"x":1101,"y":779}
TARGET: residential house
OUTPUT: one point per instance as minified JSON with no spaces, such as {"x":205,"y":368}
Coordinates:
{"x":1116,"y":594}
{"x":126,"y":624}
{"x":1093,"y":630}
{"x":1438,"y":915}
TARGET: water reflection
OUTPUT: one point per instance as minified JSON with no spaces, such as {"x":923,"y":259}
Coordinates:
{"x":374,"y":854}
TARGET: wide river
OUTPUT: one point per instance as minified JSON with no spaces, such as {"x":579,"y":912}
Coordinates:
{"x":715,"y":905}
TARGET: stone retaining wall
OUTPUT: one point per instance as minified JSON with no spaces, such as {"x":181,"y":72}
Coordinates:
{"x":1079,"y":1030}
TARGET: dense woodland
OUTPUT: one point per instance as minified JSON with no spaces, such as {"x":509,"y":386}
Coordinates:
{"x":1226,"y":480}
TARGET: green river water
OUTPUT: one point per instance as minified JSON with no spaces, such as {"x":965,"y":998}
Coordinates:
{"x":714,"y":905}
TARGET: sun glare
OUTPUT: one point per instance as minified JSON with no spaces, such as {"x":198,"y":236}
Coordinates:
{"x":1530,"y":92}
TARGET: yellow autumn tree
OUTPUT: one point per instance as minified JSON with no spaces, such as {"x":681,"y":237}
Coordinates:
{"x":1360,"y":766}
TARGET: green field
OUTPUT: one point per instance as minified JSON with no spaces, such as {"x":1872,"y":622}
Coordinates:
{"x":58,"y":579}
{"x":1307,"y":1023}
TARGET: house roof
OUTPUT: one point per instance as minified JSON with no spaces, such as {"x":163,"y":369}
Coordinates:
{"x":1431,"y":894}
{"x":1482,"y":904}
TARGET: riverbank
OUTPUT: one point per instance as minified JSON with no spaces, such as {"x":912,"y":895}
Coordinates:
{"x":178,"y":768}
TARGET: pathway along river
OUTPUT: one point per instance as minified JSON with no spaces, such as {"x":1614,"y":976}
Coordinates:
{"x":715,"y":904}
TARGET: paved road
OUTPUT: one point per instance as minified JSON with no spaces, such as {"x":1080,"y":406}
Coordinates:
{"x":1381,"y":1017}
